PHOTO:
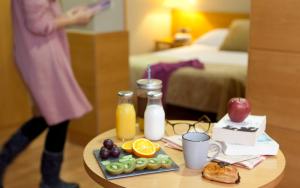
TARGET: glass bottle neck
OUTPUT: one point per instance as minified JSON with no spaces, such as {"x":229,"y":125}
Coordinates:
{"x":156,"y":101}
{"x":125,"y":100}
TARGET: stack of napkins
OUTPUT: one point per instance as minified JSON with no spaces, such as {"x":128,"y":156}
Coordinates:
{"x":174,"y":141}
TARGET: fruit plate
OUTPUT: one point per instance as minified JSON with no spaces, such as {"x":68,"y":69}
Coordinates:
{"x":108,"y":176}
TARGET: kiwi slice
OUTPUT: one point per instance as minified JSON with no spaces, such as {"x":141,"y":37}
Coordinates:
{"x":153,"y":164}
{"x":115,"y":168}
{"x":129,"y":166}
{"x":141,"y":163}
{"x":107,"y":162}
{"x":166,"y":163}
{"x":125,"y":159}
{"x":162,"y":156}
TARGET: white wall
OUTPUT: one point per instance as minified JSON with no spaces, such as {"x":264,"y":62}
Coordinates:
{"x":147,"y":20}
{"x":112,"y":19}
{"x":107,"y":21}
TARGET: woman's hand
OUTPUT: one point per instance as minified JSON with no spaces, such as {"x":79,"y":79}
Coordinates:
{"x":76,"y":16}
{"x":80,"y":16}
{"x":74,"y":10}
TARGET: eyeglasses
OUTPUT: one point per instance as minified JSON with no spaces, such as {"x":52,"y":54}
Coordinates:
{"x":184,"y":127}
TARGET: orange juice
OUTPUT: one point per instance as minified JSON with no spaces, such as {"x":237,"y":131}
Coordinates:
{"x":125,"y":121}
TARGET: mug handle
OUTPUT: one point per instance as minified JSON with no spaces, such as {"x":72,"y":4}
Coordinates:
{"x":217,"y":153}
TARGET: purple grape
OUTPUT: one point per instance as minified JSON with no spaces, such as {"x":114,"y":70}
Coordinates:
{"x":104,"y":153}
{"x":103,"y":148}
{"x":115,"y":152}
{"x":108,"y":143}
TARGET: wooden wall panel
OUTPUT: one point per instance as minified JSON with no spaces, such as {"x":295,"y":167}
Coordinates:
{"x":82,"y":130}
{"x":202,"y":22}
{"x":273,"y":87}
{"x":82,"y":48}
{"x":277,"y":25}
{"x":274,"y":73}
{"x":14,"y":102}
{"x":100,"y":63}
{"x":113,"y":74}
{"x":288,"y":140}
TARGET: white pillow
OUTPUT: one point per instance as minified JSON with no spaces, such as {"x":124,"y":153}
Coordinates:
{"x":212,"y":38}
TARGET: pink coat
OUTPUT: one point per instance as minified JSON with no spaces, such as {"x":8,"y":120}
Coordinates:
{"x":42,"y":56}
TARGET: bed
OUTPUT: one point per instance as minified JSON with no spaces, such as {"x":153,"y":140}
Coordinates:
{"x":206,"y":90}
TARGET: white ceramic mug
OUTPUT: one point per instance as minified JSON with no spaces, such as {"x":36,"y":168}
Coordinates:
{"x":195,"y":149}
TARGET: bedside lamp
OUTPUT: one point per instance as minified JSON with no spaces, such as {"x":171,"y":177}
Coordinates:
{"x":182,"y":33}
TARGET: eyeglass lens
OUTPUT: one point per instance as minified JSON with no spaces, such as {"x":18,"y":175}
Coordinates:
{"x":181,"y":128}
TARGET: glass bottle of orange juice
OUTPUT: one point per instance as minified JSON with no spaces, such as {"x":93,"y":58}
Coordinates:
{"x":125,"y":116}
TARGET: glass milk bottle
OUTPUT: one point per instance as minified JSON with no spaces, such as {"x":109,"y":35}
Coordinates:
{"x":154,"y":117}
{"x":125,"y":116}
{"x":145,"y":86}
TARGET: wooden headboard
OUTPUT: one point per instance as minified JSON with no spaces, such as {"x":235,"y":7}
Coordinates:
{"x":201,"y":22}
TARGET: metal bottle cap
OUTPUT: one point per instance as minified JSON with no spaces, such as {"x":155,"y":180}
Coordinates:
{"x":125,"y":93}
{"x":151,"y":84}
{"x":154,"y":94}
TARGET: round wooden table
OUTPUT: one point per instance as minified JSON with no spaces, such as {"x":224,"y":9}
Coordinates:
{"x":267,"y":174}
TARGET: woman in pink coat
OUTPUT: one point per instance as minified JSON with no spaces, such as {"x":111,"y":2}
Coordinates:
{"x":42,"y":56}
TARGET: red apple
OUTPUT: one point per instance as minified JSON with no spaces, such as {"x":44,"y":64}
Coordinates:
{"x":238,"y":109}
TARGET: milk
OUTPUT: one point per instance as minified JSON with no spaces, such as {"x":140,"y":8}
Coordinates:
{"x":154,"y":122}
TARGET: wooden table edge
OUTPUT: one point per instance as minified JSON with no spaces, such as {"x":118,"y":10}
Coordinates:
{"x":102,"y":181}
{"x":108,"y":184}
{"x":278,"y":179}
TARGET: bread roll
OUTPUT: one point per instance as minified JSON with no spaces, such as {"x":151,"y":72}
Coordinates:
{"x":221,"y":172}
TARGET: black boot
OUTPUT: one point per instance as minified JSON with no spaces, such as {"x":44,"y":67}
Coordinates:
{"x":15,"y":145}
{"x":19,"y":141}
{"x":50,"y":169}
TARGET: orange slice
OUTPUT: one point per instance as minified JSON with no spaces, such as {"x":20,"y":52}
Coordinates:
{"x":127,"y":146}
{"x":143,"y":148}
{"x":157,"y":146}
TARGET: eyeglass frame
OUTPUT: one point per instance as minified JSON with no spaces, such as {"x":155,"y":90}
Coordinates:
{"x":202,"y":119}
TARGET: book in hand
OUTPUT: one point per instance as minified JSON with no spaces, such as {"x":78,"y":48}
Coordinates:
{"x":99,"y":6}
{"x":244,"y":133}
{"x":265,"y":145}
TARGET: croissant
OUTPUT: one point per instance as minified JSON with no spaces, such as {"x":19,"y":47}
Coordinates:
{"x":221,"y":172}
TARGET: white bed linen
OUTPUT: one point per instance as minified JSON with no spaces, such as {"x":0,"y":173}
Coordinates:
{"x":223,"y":77}
{"x":206,"y":54}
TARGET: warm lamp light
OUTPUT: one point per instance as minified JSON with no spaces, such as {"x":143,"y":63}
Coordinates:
{"x":180,"y":4}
